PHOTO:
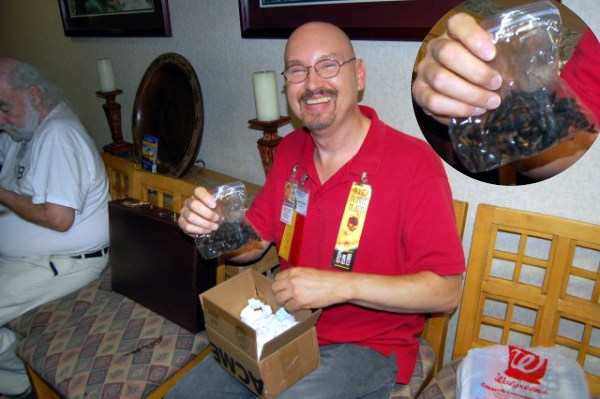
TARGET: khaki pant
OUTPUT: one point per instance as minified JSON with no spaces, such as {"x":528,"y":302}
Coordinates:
{"x":26,"y":283}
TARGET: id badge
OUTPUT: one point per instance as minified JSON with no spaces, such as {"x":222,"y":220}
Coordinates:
{"x":292,"y":235}
{"x":289,"y":203}
{"x":288,"y":214}
{"x":302,"y":197}
{"x":351,"y":226}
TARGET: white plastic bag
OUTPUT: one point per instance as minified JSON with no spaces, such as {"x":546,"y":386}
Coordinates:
{"x":511,"y":372}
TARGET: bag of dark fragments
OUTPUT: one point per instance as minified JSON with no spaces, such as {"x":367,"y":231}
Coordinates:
{"x":538,"y":109}
{"x":512,"y":372}
{"x":233,"y":231}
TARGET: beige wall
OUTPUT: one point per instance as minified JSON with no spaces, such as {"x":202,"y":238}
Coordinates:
{"x":207,"y":33}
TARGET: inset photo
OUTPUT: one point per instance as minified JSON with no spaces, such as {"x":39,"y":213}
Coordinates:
{"x":508,"y":91}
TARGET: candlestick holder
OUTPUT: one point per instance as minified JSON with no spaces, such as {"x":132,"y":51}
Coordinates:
{"x":112,"y":110}
{"x":268,"y":143}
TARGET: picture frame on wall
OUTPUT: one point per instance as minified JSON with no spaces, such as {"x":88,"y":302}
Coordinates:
{"x":366,"y":19}
{"x":115,"y":18}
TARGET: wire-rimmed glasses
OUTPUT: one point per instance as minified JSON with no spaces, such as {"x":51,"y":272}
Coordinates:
{"x":326,"y":69}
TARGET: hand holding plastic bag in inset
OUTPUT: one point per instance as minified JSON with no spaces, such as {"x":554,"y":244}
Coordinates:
{"x":538,"y":108}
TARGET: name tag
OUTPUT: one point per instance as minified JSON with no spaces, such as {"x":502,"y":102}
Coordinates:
{"x":351,"y":226}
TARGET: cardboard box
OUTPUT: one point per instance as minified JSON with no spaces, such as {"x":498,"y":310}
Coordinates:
{"x":284,"y":360}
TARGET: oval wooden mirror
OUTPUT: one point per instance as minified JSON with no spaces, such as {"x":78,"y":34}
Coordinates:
{"x":168,"y":106}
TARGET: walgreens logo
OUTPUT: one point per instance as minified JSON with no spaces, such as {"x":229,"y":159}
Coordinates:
{"x":525,"y":366}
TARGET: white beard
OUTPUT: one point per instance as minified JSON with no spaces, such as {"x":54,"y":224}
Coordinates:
{"x":26,"y":132}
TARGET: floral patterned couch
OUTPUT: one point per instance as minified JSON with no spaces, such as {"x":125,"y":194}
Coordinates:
{"x":96,"y":343}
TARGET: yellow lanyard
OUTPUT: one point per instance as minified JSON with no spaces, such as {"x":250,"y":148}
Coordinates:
{"x":351,"y":225}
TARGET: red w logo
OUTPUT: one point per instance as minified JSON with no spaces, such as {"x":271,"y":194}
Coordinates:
{"x":525,"y":366}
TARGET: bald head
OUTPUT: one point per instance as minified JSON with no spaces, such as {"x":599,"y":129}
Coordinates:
{"x":323,"y":33}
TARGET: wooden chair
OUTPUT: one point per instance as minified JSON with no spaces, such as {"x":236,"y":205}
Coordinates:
{"x":126,"y":179}
{"x":532,"y":280}
{"x":433,"y":339}
{"x":161,"y":190}
{"x":437,"y":324}
{"x":119,"y":171}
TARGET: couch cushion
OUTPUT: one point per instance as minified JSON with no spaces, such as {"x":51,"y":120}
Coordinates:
{"x":443,"y":385}
{"x":97,"y":343}
{"x":422,"y":371}
{"x":81,"y":343}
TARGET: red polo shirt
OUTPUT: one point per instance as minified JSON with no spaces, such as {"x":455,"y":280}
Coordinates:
{"x":409,"y":227}
{"x":582,"y":72}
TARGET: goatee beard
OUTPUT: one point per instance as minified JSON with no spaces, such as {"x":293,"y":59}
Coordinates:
{"x":319,"y":121}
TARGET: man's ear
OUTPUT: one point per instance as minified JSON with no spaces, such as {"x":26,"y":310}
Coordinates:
{"x":35,"y":96}
{"x":361,"y":74}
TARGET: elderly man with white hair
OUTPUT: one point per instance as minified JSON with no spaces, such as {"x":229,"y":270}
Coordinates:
{"x":53,"y":205}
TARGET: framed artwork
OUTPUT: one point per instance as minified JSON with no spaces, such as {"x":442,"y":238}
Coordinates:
{"x":366,"y":19}
{"x":115,"y":17}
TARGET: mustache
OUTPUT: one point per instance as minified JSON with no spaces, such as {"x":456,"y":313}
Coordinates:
{"x":322,"y":92}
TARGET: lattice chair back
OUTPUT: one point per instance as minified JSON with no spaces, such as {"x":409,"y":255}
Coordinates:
{"x":119,"y":172}
{"x":533,"y":280}
{"x":161,"y":190}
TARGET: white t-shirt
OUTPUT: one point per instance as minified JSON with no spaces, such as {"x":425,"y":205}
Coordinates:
{"x":59,"y":165}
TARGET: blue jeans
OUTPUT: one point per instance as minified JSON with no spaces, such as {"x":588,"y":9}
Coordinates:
{"x":346,"y":371}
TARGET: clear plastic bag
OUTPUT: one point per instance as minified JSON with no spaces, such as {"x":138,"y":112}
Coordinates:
{"x":511,"y":372}
{"x":233,"y":231}
{"x":538,"y":109}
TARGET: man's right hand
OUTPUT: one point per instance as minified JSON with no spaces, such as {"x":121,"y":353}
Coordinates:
{"x":198,"y":215}
{"x":453,"y":78}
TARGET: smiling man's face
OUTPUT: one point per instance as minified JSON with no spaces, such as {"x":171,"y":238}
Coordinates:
{"x":319,"y":102}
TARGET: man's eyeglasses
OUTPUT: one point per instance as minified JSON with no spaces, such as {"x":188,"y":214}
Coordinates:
{"x":326,"y":69}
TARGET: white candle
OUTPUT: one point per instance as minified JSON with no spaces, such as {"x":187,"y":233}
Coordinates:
{"x":265,"y":95}
{"x":106,"y":75}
